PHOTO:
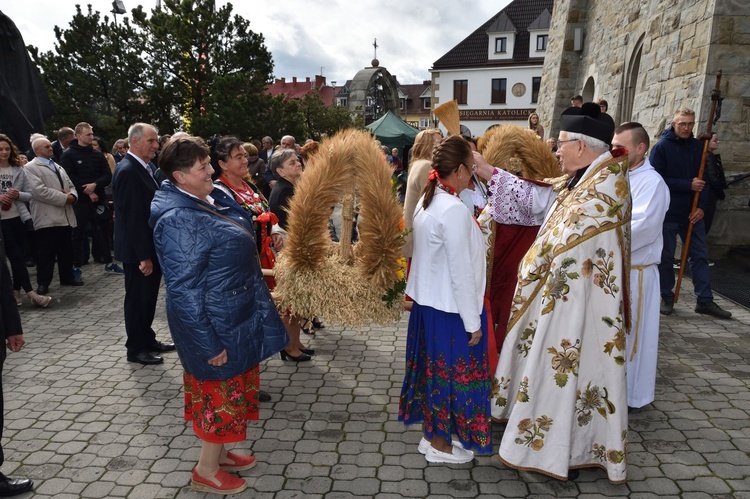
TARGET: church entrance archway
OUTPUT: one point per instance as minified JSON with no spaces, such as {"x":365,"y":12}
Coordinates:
{"x":631,"y":83}
{"x":588,"y":90}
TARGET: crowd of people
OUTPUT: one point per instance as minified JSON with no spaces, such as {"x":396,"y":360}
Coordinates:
{"x":210,"y":217}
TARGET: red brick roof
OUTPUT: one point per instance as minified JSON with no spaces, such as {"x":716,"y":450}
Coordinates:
{"x":296,"y":89}
{"x":472,"y":51}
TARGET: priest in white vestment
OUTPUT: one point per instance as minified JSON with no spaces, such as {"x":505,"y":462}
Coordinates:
{"x":560,"y":383}
{"x":650,"y":203}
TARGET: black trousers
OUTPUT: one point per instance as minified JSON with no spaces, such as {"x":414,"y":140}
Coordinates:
{"x":101,"y":247}
{"x":54,"y":242}
{"x":14,"y":238}
{"x":141,"y":293}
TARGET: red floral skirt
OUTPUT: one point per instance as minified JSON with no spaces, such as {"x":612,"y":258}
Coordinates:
{"x":219,"y":410}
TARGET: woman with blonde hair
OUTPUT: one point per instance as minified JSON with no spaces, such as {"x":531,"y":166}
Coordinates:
{"x":535,"y":125}
{"x":419,"y":168}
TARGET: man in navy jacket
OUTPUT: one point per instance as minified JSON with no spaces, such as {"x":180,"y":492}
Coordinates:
{"x":133,"y":188}
{"x":677,"y":157}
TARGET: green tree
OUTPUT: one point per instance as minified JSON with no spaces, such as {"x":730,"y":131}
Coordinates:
{"x":208,"y":70}
{"x":94,"y":74}
{"x":320,"y":119}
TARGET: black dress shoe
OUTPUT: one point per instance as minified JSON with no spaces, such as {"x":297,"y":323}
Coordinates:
{"x":264,"y":396}
{"x":303,"y":357}
{"x":162,"y":347}
{"x":308,"y":351}
{"x":145,"y":358}
{"x":75,"y":282}
{"x":42,"y":289}
{"x":14,"y":486}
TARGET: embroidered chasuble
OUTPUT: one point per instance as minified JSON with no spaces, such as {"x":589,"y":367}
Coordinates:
{"x":560,"y":382}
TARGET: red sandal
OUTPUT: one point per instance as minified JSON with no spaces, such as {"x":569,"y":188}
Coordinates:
{"x":241,"y":463}
{"x":228,"y":484}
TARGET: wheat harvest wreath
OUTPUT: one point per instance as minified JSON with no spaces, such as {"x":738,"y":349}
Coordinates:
{"x":353,"y":285}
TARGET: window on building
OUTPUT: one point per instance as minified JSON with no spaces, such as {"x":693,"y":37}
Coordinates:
{"x":499,"y":87}
{"x":501,"y":44}
{"x":342,"y":102}
{"x":427,"y":103}
{"x":403,"y":104}
{"x":424,"y":122}
{"x":541,"y":42}
{"x":460,"y":90}
{"x":536,"y":83}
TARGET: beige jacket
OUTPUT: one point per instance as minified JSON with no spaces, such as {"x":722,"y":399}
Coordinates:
{"x":48,"y":197}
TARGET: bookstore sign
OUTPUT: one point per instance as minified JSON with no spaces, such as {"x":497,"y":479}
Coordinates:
{"x":494,"y":114}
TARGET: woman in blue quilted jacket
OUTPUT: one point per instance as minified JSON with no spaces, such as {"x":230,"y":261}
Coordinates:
{"x":220,"y":312}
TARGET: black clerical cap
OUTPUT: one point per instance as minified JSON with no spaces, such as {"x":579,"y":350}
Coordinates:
{"x":588,"y":120}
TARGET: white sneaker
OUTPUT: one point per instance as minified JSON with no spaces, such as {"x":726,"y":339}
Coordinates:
{"x":458,"y":456}
{"x":424,"y":445}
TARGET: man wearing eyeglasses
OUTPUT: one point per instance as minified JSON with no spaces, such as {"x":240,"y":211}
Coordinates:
{"x":677,"y":157}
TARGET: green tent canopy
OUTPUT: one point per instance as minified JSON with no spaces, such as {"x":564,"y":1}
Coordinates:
{"x":392,"y":131}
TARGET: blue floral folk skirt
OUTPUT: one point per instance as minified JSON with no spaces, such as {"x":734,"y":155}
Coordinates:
{"x":447,"y":383}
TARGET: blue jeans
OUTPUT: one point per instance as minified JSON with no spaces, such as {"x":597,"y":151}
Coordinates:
{"x":698,"y":258}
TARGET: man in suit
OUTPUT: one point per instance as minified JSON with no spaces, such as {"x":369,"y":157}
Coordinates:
{"x":133,"y":187}
{"x":12,"y":334}
{"x":53,"y":196}
{"x":64,"y":136}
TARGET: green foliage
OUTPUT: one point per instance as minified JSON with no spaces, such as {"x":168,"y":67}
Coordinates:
{"x":208,"y":66}
{"x":94,"y":74}
{"x":320,"y":119}
{"x":188,"y":65}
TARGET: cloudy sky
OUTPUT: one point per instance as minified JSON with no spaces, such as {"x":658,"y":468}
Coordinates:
{"x":306,"y":35}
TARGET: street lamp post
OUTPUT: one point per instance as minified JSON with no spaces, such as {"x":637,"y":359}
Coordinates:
{"x":118,"y":7}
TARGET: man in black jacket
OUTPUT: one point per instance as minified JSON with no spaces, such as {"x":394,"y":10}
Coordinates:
{"x":90,"y":174}
{"x":10,"y":327}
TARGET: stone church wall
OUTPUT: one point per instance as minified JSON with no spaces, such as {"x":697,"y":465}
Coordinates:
{"x":682,"y":44}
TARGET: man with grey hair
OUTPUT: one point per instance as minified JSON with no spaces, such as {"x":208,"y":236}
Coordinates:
{"x":133,"y":188}
{"x":64,"y":136}
{"x":53,"y":195}
{"x":561,"y":381}
{"x":30,"y":153}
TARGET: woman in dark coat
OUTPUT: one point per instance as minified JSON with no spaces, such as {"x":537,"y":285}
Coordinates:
{"x":220,"y":312}
{"x":287,"y":170}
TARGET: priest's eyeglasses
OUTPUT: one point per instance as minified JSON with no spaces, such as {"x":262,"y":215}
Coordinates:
{"x":564,"y":141}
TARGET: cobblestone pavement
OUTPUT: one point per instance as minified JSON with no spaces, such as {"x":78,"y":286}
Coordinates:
{"x":83,"y":422}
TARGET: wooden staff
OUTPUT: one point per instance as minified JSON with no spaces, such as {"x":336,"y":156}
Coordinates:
{"x":686,"y":244}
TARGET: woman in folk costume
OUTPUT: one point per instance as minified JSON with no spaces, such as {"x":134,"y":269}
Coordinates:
{"x":560,"y":383}
{"x":518,"y":151}
{"x":447,"y":381}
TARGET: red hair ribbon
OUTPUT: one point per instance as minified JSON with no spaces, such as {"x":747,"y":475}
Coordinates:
{"x":433,"y":176}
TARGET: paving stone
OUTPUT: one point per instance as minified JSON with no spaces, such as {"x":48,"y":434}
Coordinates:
{"x":101,"y":427}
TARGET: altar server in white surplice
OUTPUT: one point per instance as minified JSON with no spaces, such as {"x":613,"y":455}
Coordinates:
{"x":650,"y":203}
